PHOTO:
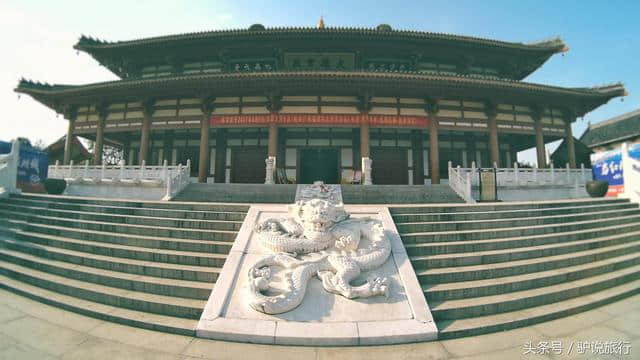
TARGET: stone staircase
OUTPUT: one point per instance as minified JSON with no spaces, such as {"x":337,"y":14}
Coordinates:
{"x":492,"y":267}
{"x":145,"y":264}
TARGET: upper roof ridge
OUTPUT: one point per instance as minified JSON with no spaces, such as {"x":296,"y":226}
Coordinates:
{"x":555,"y":43}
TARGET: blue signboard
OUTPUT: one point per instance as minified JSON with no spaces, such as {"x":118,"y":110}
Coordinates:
{"x":607,"y":166}
{"x":33,"y":166}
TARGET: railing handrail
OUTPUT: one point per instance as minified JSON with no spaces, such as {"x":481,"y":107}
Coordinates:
{"x":517,"y":176}
{"x":174,"y":178}
{"x":460,"y":183}
{"x":9,"y":170}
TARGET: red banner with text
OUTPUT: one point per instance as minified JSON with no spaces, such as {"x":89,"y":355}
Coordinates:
{"x":320,"y":119}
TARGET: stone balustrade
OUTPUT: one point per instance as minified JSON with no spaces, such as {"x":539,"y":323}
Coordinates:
{"x":9,"y":170}
{"x":173,"y":178}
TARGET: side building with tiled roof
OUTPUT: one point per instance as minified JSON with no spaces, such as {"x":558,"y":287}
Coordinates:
{"x":320,"y":100}
{"x":611,"y":133}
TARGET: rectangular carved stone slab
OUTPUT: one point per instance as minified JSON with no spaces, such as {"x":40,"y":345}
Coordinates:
{"x":323,"y":319}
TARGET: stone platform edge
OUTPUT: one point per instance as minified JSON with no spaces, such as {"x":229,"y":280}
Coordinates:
{"x":213,"y":325}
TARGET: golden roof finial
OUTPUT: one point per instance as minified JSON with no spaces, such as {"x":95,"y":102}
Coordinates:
{"x":321,"y":23}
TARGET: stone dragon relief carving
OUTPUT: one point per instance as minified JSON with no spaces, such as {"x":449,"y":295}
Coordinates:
{"x":318,"y":238}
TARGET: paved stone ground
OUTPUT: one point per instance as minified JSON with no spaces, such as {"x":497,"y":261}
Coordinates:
{"x":31,"y":330}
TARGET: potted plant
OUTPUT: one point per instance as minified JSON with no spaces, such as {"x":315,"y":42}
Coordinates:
{"x":55,"y":186}
{"x":596,"y":188}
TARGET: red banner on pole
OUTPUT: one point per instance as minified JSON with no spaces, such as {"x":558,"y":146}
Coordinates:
{"x":320,"y":119}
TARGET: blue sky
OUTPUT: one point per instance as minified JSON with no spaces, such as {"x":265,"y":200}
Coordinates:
{"x":603,"y":36}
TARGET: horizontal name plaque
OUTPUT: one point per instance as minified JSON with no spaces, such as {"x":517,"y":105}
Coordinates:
{"x":320,"y":119}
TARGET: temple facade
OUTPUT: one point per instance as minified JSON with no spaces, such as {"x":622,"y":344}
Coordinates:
{"x":319,"y":101}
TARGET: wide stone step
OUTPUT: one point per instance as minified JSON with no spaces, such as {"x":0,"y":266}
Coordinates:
{"x":127,"y":281}
{"x":147,"y":268}
{"x":457,"y":247}
{"x":504,"y":206}
{"x":198,"y":206}
{"x":399,"y":194}
{"x":503,"y":285}
{"x":518,"y":267}
{"x":486,"y":305}
{"x":509,"y":214}
{"x":170,"y":324}
{"x":169,"y":213}
{"x":157,"y":304}
{"x":507,"y":255}
{"x":248,"y":193}
{"x":204,"y":246}
{"x":514,"y":319}
{"x":126,"y":219}
{"x":457,"y":225}
{"x":220,"y":235}
{"x":507,"y":232}
{"x":124,"y":251}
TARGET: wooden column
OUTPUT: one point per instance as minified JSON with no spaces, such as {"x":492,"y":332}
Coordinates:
{"x":274,"y":105}
{"x":364,"y":106}
{"x":71,"y":115}
{"x":570,"y":145}
{"x":540,"y":143}
{"x":431,"y":107}
{"x":99,"y":144}
{"x":273,"y":140}
{"x":493,"y":142}
{"x":146,"y":130}
{"x":364,"y":139}
{"x":205,"y":124}
{"x":494,"y":148}
{"x":434,"y":155}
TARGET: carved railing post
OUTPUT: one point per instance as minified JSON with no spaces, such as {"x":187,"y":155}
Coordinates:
{"x":366,"y":170}
{"x":270,"y":164}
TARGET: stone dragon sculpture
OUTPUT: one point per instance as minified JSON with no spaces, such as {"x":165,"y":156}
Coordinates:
{"x":317,"y":239}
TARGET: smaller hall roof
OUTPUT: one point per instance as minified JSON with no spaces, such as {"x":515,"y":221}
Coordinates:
{"x":616,"y":129}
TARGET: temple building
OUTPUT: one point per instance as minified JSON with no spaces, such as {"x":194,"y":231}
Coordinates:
{"x":320,"y":100}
